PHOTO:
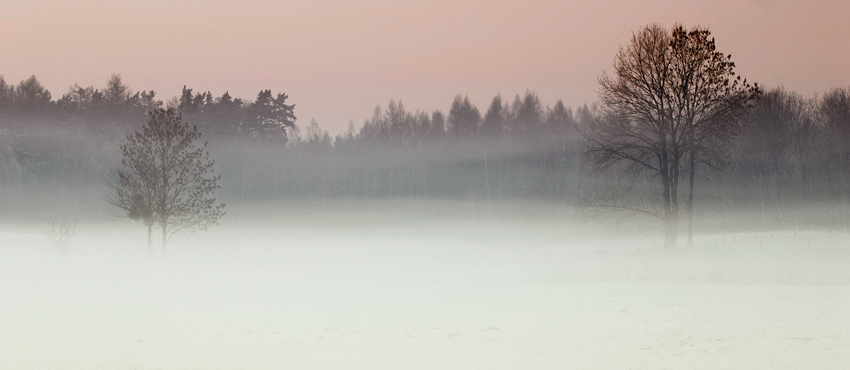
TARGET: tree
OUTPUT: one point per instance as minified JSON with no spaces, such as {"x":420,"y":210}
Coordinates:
{"x":495,"y":119}
{"x":560,"y":122}
{"x":120,"y":105}
{"x":834,"y":111}
{"x":59,"y":232}
{"x":166,"y":178}
{"x":463,"y":118}
{"x":269,"y":117}
{"x":527,"y":115}
{"x":708,"y":102}
{"x":672,"y":97}
{"x":31,"y":99}
{"x":116,"y":92}
{"x":438,"y":125}
{"x":7,"y":98}
{"x":764,"y":151}
{"x":399,"y":123}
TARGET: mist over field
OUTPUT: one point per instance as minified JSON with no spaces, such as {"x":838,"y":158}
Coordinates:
{"x":334,"y":283}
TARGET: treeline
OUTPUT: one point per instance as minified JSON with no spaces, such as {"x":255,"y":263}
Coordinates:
{"x":73,"y":140}
{"x":117,"y":109}
{"x":509,"y":151}
{"x":792,"y":149}
{"x":262,"y":154}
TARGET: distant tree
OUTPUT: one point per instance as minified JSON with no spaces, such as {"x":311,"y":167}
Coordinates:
{"x":32,"y":100}
{"x":526,"y":116}
{"x":834,"y":109}
{"x":148,"y":102}
{"x":315,"y":136}
{"x":166,"y":178}
{"x":421,"y":127}
{"x":187,"y":103}
{"x":495,"y":118}
{"x":764,"y":147}
{"x":562,"y":155}
{"x":121,"y":107}
{"x":10,"y":169}
{"x":222,"y":117}
{"x":75,"y":103}
{"x":463,"y":118}
{"x":7,"y":96}
{"x":59,"y":232}
{"x":399,"y":124}
{"x":805,"y":135}
{"x":560,"y":122}
{"x":116,"y":92}
{"x":269,"y":117}
{"x":373,"y":129}
{"x":438,"y":125}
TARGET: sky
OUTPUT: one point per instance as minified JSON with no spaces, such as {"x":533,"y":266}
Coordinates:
{"x":337,"y":60}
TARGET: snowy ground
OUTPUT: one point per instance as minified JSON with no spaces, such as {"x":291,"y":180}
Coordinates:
{"x":418,"y":286}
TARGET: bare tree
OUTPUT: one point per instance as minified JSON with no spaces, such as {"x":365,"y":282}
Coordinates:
{"x":635,"y":127}
{"x":672,"y":97}
{"x":165,"y":178}
{"x":59,"y":232}
{"x":709,"y":102}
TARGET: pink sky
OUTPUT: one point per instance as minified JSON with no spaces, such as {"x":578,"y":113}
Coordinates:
{"x":338,"y":59}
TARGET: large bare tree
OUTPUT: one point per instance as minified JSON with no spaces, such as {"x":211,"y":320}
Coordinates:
{"x":672,"y":101}
{"x":709,"y":102}
{"x":166,"y":178}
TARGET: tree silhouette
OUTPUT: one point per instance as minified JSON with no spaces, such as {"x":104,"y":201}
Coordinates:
{"x":495,"y":119}
{"x":672,"y":98}
{"x":708,"y":101}
{"x":463,"y":118}
{"x":32,"y":100}
{"x":166,"y":178}
{"x":269,"y":116}
{"x":527,"y":115}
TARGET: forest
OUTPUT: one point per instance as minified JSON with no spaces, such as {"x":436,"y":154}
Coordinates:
{"x":791,"y":160}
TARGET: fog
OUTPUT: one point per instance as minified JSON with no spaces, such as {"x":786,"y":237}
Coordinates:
{"x":387,"y":284}
{"x":418,"y":239}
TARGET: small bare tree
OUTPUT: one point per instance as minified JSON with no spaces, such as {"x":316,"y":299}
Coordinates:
{"x":165,"y":178}
{"x":59,"y":232}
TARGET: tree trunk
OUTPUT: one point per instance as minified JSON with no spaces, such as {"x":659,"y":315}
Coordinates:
{"x":670,"y":231}
{"x":150,"y":242}
{"x":691,"y":171}
{"x":486,"y":182}
{"x":673,"y":228}
{"x":665,"y":182}
{"x":164,"y":235}
{"x":672,"y":202}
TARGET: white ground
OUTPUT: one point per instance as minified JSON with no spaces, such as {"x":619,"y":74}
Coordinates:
{"x":446,"y":288}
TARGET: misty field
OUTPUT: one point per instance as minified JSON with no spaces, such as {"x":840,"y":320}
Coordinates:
{"x":423,"y":285}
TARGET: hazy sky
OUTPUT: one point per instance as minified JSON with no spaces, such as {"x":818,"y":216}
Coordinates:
{"x":337,"y":60}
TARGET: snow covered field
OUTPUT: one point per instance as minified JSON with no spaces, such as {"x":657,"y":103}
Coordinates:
{"x":404,"y":285}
